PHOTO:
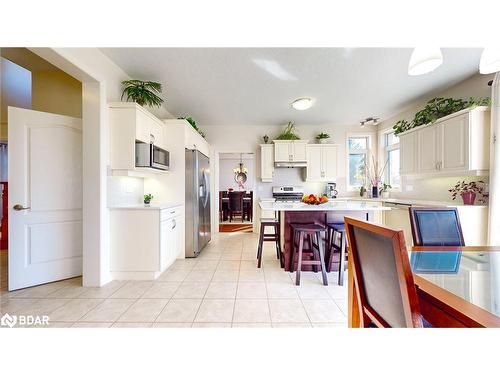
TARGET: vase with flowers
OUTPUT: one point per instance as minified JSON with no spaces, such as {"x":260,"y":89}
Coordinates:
{"x":469,"y":191}
{"x":375,"y":175}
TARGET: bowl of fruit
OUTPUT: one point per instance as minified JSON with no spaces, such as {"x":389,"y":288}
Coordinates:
{"x":314,"y":199}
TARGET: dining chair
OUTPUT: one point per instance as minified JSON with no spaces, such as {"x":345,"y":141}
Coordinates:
{"x":236,"y":204}
{"x":383,"y":279}
{"x":436,"y":226}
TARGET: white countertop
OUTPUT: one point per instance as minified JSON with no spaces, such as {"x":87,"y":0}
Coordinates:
{"x":162,"y":206}
{"x":413,"y":202}
{"x":333,"y":205}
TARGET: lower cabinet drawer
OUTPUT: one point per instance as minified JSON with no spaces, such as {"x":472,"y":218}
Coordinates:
{"x":168,"y":213}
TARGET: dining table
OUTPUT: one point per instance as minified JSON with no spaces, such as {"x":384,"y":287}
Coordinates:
{"x":457,"y":286}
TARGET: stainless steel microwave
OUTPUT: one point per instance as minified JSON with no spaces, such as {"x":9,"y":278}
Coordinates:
{"x":149,"y":155}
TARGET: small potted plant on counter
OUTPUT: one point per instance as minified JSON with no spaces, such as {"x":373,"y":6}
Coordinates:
{"x":322,"y":137}
{"x":147,"y":199}
{"x":468,"y":191}
{"x":384,"y":190}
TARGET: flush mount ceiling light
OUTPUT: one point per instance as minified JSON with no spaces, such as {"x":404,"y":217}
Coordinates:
{"x":302,"y":104}
{"x":490,"y":61}
{"x":424,"y":60}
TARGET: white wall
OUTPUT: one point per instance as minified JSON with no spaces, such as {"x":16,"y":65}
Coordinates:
{"x":436,"y":188}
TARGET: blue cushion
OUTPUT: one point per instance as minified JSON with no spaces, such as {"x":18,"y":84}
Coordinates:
{"x":339,"y":227}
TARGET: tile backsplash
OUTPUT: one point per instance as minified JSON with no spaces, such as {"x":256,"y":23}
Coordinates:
{"x":125,"y":191}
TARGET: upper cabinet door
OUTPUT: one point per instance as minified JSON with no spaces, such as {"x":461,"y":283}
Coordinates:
{"x":266,"y":163}
{"x":142,"y":131}
{"x":299,"y":152}
{"x":408,"y":153}
{"x":427,"y":149}
{"x":453,"y":136}
{"x":329,"y":162}
{"x":283,"y":152}
{"x":314,"y":166}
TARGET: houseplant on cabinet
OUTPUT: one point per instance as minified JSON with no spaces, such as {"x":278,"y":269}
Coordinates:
{"x":322,"y":137}
{"x":468,"y":191}
{"x":289,"y":133}
{"x":192,"y":122}
{"x":143,"y":92}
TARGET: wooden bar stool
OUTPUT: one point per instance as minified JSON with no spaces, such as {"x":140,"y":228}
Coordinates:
{"x":275,"y":237}
{"x":336,"y":230}
{"x":311,"y":232}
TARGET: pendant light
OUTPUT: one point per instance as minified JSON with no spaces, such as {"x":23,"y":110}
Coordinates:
{"x":490,"y":61}
{"x":424,"y":60}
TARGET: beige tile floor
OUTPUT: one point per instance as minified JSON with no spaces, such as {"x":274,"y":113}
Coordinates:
{"x":221,"y":288}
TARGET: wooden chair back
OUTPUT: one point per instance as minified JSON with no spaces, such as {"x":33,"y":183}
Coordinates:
{"x":236,"y":201}
{"x":436,"y":226}
{"x":383,"y":278}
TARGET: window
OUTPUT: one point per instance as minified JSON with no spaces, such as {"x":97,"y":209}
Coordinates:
{"x":392,"y":156}
{"x":358,"y":158}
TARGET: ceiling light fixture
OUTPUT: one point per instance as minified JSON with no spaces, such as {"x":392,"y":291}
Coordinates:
{"x":369,"y":120}
{"x":490,"y":61}
{"x":302,"y":104}
{"x":424,"y":60}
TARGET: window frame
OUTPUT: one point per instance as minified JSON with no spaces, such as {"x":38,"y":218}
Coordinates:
{"x":367,"y":152}
{"x":386,"y":149}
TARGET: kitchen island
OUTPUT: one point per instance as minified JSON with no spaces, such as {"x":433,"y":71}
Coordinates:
{"x":330,"y":212}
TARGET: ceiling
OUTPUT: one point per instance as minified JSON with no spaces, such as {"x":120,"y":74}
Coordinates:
{"x":255,"y":86}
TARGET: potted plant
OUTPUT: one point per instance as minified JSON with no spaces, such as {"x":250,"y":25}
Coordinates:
{"x":362,"y":191}
{"x":437,"y":108}
{"x":147,"y":199}
{"x":192,"y":122}
{"x":322,"y":137}
{"x":265,"y":138}
{"x":289,"y":133}
{"x":384,"y":190}
{"x":142,"y":92}
{"x":468,"y":191}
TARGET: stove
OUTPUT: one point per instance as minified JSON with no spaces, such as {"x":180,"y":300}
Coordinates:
{"x":288,"y":193}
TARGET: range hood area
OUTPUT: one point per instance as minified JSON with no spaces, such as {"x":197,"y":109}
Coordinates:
{"x":290,"y":164}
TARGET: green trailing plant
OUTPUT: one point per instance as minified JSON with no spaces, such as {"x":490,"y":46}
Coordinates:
{"x":437,"y":108}
{"x":289,"y":133}
{"x":142,"y":92}
{"x":148,"y":198}
{"x":385,"y":187}
{"x":323,"y":136}
{"x":192,"y":122}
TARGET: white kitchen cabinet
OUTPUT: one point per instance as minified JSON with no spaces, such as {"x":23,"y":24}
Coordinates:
{"x":290,"y":151}
{"x":129,"y":122}
{"x":321,"y":163}
{"x":144,"y":242}
{"x":267,"y":162}
{"x":455,"y":145}
{"x":408,"y":153}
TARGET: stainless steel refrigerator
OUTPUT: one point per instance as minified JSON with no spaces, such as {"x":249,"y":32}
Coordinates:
{"x":197,"y":202}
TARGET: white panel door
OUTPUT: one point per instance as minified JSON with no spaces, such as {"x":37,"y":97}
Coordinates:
{"x":427,"y":149}
{"x":453,"y":136}
{"x":45,"y":178}
{"x":329,"y":162}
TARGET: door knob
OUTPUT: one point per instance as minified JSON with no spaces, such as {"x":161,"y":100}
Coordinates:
{"x":19,"y":207}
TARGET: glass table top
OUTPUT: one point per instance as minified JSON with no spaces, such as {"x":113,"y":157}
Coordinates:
{"x":471,"y":275}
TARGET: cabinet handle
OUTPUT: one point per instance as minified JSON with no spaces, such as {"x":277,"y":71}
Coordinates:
{"x":152,"y":138}
{"x":172,"y":212}
{"x":175,"y":223}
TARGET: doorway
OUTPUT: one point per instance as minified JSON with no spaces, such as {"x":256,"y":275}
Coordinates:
{"x":236,"y":191}
{"x":41,"y":118}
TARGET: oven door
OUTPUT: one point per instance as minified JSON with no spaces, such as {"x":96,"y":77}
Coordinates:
{"x":160,"y":158}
